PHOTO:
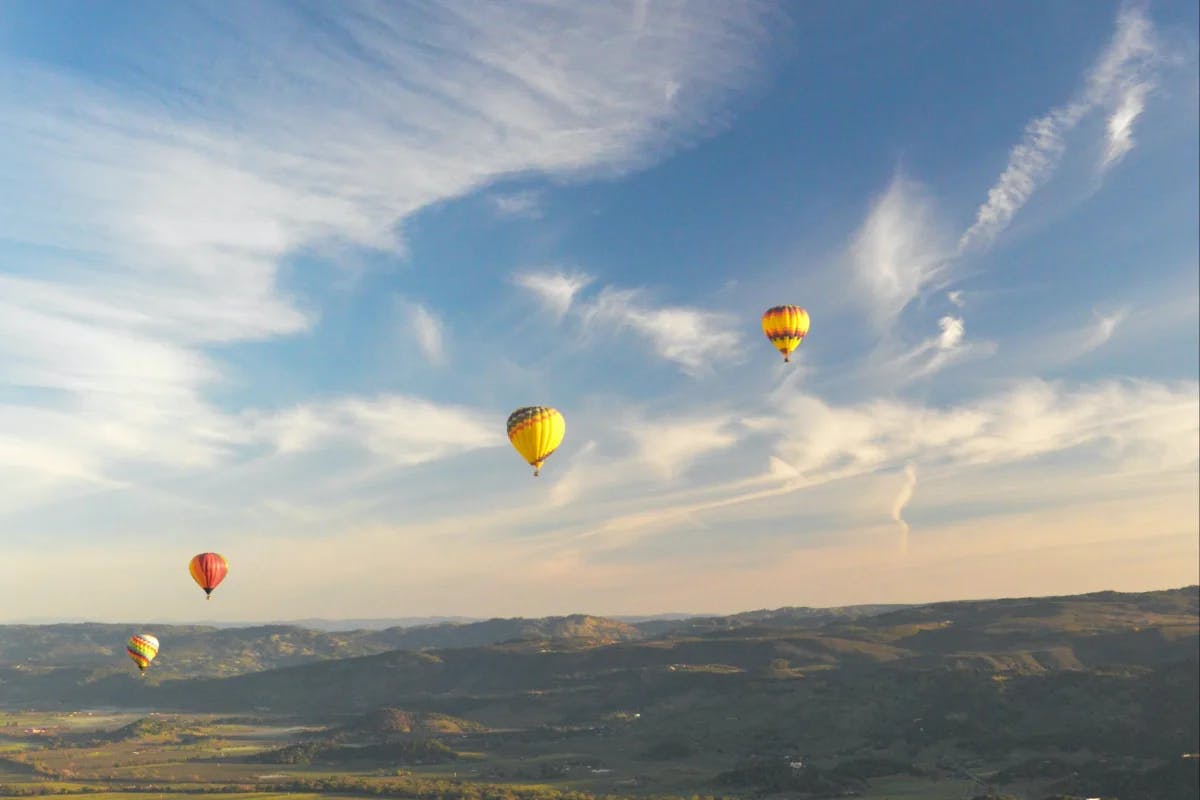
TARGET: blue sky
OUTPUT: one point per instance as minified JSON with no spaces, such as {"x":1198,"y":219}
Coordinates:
{"x":273,"y":275}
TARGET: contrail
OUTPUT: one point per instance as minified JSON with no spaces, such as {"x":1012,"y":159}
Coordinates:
{"x":902,"y":499}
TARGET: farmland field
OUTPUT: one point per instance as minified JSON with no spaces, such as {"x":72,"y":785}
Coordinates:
{"x":189,"y":755}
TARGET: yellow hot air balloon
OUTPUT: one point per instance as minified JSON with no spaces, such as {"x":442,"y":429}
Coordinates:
{"x":142,"y":648}
{"x":536,"y":432}
{"x":786,"y":327}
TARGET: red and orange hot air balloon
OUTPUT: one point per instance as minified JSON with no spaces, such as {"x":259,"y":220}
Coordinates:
{"x":208,"y":570}
{"x":786,"y":327}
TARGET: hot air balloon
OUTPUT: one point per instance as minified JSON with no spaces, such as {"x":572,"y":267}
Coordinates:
{"x":142,"y":648}
{"x":786,"y":327}
{"x":208,"y":569}
{"x":536,"y":432}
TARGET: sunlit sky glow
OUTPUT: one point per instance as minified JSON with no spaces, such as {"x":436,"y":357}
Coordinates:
{"x":273,"y":275}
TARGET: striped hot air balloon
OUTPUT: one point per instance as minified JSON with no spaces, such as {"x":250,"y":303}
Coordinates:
{"x":536,"y":432}
{"x":786,"y":327}
{"x":142,"y":648}
{"x":208,"y":569}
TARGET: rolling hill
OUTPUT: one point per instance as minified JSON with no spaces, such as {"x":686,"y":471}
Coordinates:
{"x":1067,"y":692}
{"x":286,"y":668}
{"x":209,"y":651}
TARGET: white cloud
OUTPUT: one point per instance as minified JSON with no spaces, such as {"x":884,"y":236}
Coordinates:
{"x":399,"y":569}
{"x":944,"y":350}
{"x":893,"y":365}
{"x":1028,"y":165}
{"x":1120,"y":123}
{"x":428,"y":330}
{"x":903,"y":497}
{"x":1050,"y":349}
{"x":89,"y":384}
{"x":517,"y":204}
{"x":1118,"y":80}
{"x":169,"y":223}
{"x":578,"y":477}
{"x":401,"y":430}
{"x":156,"y":214}
{"x":956,"y":297}
{"x":827,"y":490}
{"x":670,"y":446}
{"x":555,"y":290}
{"x":952,"y":333}
{"x":899,"y":250}
{"x":693,"y":338}
{"x":1122,"y":79}
{"x":1104,"y":328}
{"x":641,"y":449}
{"x":1132,"y":433}
{"x":1140,"y":425}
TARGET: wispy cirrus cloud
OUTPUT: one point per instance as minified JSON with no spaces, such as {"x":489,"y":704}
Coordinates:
{"x":156,"y":212}
{"x":1104,"y":327}
{"x":806,"y":446}
{"x":1129,"y":106}
{"x":400,"y":429}
{"x":1137,"y":423}
{"x":693,"y":338}
{"x":1118,"y":82}
{"x":641,"y":447}
{"x":670,"y":446}
{"x":936,"y":353}
{"x":1070,"y":547}
{"x":555,"y":290}
{"x":1056,"y":348}
{"x":517,"y":204}
{"x":903,"y":498}
{"x":1113,"y":444}
{"x":87,"y":384}
{"x":427,"y":328}
{"x":899,"y":251}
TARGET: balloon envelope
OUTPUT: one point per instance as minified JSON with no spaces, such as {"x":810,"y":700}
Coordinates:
{"x":142,"y":648}
{"x":786,"y":327}
{"x":208,"y":569}
{"x":536,"y":432}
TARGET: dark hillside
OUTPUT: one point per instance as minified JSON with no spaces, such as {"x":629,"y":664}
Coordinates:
{"x":792,"y":617}
{"x":199,"y":651}
{"x":1077,"y":696}
{"x":292,"y":669}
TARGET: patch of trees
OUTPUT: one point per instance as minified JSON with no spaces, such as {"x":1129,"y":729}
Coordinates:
{"x":867,"y":767}
{"x":42,"y":790}
{"x":668,"y":750}
{"x":19,"y":767}
{"x":778,"y":775}
{"x":411,"y":751}
{"x":1176,"y":779}
{"x":433,"y":789}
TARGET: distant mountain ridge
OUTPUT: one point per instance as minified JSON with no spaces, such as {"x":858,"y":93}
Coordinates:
{"x":216,"y":650}
{"x":313,"y":623}
{"x":1092,"y":693}
{"x":1025,"y":634}
{"x":364,"y":624}
{"x":203,"y":650}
